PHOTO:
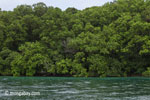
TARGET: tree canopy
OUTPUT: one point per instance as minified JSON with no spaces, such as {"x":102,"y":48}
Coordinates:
{"x":109,"y":40}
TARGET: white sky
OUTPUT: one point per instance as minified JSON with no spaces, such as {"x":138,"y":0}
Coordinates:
{"x":63,"y":4}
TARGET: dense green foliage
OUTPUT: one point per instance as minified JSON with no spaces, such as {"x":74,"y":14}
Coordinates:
{"x":110,"y":40}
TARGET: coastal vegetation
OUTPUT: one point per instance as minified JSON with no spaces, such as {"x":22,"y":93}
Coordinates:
{"x":109,"y":40}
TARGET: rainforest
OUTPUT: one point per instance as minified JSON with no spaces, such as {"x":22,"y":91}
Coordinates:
{"x":112,"y":40}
